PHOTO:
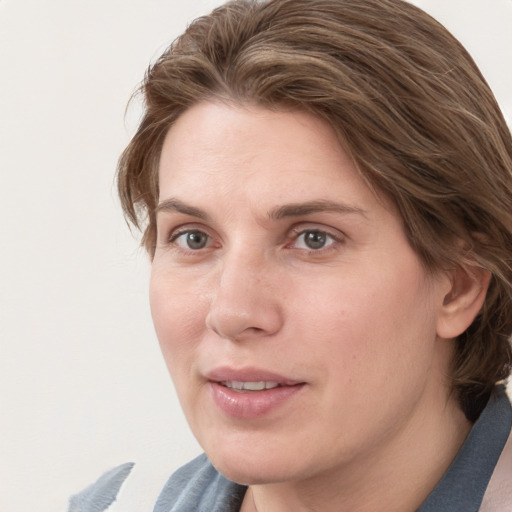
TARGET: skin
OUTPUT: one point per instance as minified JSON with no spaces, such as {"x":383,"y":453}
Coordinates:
{"x":334,"y":298}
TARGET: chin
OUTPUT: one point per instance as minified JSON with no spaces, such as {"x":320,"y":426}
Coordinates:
{"x":252,"y":472}
{"x":256,"y":467}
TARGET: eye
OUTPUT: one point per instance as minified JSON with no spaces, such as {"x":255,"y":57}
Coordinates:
{"x":313,"y":240}
{"x":193,"y":240}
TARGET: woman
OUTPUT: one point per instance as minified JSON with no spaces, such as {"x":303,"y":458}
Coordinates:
{"x":324,"y":188}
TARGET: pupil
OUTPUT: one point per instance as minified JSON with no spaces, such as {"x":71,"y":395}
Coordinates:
{"x":315,"y":239}
{"x":196,"y":240}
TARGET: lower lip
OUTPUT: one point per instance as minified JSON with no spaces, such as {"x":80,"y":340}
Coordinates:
{"x":251,"y":404}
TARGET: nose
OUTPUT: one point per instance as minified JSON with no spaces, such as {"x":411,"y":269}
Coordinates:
{"x":244,"y":304}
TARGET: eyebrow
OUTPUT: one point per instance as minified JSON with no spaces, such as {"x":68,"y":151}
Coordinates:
{"x":175,"y":205}
{"x":322,"y":205}
{"x":280,"y":212}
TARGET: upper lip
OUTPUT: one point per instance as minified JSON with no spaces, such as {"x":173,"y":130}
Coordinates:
{"x":226,"y":374}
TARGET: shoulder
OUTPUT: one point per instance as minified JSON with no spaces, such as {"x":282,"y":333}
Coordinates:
{"x":199,"y":487}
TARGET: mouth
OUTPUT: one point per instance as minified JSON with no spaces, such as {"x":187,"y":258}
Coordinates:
{"x":250,"y":393}
{"x":248,"y":378}
{"x":241,"y":386}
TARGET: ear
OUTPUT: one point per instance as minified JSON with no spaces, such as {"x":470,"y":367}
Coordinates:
{"x":463,"y":301}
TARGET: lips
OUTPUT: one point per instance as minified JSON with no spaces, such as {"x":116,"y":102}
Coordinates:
{"x":236,"y":385}
{"x":251,"y":393}
{"x":248,"y":375}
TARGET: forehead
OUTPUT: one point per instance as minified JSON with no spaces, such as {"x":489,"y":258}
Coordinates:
{"x":218,"y":129}
{"x":216,"y":144}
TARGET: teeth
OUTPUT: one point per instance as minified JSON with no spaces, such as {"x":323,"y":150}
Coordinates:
{"x":249,"y":386}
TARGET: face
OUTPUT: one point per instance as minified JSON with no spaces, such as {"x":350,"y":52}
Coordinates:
{"x":297,"y":323}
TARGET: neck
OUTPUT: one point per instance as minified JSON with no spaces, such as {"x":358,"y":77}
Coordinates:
{"x":397,"y":476}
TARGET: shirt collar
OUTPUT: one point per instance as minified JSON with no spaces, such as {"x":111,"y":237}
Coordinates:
{"x":463,"y":485}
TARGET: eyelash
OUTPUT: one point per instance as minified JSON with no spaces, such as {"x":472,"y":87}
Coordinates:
{"x":173,"y":238}
{"x":331,"y":240}
{"x":334,"y":239}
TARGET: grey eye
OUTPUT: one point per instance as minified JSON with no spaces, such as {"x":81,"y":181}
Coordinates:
{"x":194,"y":240}
{"x":313,"y":239}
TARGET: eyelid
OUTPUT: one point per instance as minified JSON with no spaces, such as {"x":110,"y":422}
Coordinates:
{"x":171,"y":241}
{"x":304,"y":227}
{"x":337,"y":236}
{"x":186,"y":235}
{"x":169,"y":232}
{"x":176,"y":233}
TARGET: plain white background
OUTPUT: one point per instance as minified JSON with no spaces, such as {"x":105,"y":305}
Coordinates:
{"x":82,"y":384}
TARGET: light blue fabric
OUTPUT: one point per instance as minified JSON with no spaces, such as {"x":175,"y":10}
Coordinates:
{"x":199,"y":487}
{"x":102,"y":493}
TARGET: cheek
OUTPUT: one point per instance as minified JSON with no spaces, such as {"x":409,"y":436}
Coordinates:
{"x":397,"y":332}
{"x":178,"y":318}
{"x":370,"y":319}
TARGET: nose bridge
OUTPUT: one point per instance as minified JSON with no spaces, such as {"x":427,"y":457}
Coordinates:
{"x":243,"y":303}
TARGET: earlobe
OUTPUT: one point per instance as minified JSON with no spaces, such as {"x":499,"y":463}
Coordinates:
{"x":463,"y":302}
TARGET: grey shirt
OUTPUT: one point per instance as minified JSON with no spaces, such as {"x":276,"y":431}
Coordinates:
{"x":199,"y":487}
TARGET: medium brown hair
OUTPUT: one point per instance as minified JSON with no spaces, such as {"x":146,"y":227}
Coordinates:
{"x":408,"y":104}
